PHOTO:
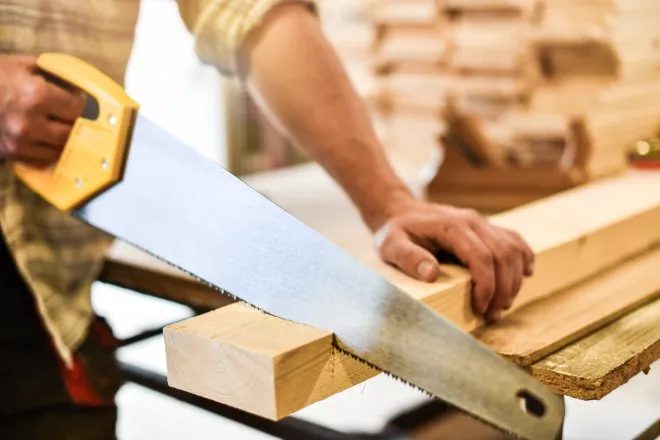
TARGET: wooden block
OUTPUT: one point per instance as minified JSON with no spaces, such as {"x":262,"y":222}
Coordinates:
{"x":596,"y":365}
{"x":428,"y":90}
{"x":521,"y":6}
{"x":500,"y":60}
{"x":491,"y":86}
{"x":536,"y":125}
{"x":487,"y":107}
{"x":610,"y":5}
{"x":404,"y":12}
{"x":551,"y":323}
{"x":651,"y":433}
{"x":585,"y":59}
{"x":414,"y":134}
{"x":571,"y":95}
{"x":455,"y":175}
{"x":431,"y":90}
{"x":590,"y":228}
{"x":132,"y":269}
{"x":490,"y":31}
{"x":613,"y":134}
{"x":488,"y":202}
{"x":425,"y":44}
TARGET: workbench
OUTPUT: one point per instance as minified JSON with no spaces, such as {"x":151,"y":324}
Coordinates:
{"x":590,"y":367}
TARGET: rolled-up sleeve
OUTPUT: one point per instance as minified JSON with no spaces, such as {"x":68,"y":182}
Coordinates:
{"x":220,"y":27}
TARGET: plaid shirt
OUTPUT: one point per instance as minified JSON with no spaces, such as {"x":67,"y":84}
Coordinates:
{"x":58,"y":256}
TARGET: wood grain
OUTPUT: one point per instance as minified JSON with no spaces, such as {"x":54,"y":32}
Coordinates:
{"x":542,"y":327}
{"x":596,"y":365}
{"x":176,"y":288}
{"x":592,"y":228}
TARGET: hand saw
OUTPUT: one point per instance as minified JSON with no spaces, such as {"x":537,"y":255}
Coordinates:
{"x":124,"y":175}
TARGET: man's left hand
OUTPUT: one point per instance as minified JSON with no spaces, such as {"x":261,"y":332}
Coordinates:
{"x":498,"y":259}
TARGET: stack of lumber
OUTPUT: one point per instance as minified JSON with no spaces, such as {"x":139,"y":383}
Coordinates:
{"x":255,"y":144}
{"x":525,"y":97}
{"x":347,"y":26}
{"x":597,"y":251}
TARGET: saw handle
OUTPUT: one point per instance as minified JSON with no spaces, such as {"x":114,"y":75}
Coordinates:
{"x":94,"y":154}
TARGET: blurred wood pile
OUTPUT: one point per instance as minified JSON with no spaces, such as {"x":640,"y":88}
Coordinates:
{"x":349,"y":27}
{"x":524,"y":97}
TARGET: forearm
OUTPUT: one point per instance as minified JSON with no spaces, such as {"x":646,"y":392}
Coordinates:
{"x":318,"y":108}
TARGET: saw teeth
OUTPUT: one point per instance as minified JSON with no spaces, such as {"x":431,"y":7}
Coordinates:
{"x":235,"y":298}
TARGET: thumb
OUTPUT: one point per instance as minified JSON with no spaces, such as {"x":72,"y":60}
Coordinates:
{"x":410,"y":258}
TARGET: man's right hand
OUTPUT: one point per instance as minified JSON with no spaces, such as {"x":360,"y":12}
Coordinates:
{"x":36,"y":116}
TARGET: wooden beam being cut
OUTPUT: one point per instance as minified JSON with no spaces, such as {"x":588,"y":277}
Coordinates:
{"x":270,"y":367}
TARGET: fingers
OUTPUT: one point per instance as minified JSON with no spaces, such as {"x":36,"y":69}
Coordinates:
{"x":38,"y":155}
{"x":28,"y":62}
{"x":62,"y":104}
{"x":498,"y":259}
{"x":508,"y":262}
{"x":400,"y":251}
{"x":53,"y":133}
{"x":527,"y":252}
{"x":35,"y":140}
{"x":470,"y":248}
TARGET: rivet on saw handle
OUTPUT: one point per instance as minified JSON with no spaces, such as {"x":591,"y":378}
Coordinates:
{"x":93,"y":157}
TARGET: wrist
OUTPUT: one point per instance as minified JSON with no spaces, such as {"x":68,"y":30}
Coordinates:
{"x":392,"y":202}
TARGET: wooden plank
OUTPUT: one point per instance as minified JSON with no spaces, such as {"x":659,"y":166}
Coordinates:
{"x":426,"y":44}
{"x":596,"y":365}
{"x":428,"y":90}
{"x":292,"y":366}
{"x":132,"y":269}
{"x":295,"y":365}
{"x":528,"y":335}
{"x":431,"y":89}
{"x":652,"y":433}
{"x":501,"y":61}
{"x":522,"y":6}
{"x":489,"y":202}
{"x":404,"y":12}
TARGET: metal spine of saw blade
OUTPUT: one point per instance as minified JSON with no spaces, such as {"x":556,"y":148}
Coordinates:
{"x":191,"y":213}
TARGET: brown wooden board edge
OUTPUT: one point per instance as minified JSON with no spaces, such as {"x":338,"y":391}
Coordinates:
{"x":161,"y":285}
{"x":638,"y":361}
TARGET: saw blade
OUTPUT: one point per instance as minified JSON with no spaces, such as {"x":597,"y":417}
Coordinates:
{"x":185,"y":209}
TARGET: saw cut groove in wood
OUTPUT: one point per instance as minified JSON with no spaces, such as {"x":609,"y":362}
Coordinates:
{"x":576,"y":235}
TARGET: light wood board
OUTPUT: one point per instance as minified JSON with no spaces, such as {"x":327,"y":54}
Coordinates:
{"x":599,"y":363}
{"x":132,"y":269}
{"x":589,"y":228}
{"x":544,"y":326}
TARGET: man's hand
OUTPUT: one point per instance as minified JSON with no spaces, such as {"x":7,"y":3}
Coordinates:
{"x":498,"y":259}
{"x":295,"y":75}
{"x":36,"y":116}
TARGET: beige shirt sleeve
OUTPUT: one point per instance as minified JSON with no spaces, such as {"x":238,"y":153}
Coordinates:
{"x":220,"y":27}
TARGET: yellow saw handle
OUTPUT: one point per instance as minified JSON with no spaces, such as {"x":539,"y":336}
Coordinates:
{"x":93,"y":157}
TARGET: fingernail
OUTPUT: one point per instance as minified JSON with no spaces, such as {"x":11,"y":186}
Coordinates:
{"x":426,"y":269}
{"x":495,"y":316}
